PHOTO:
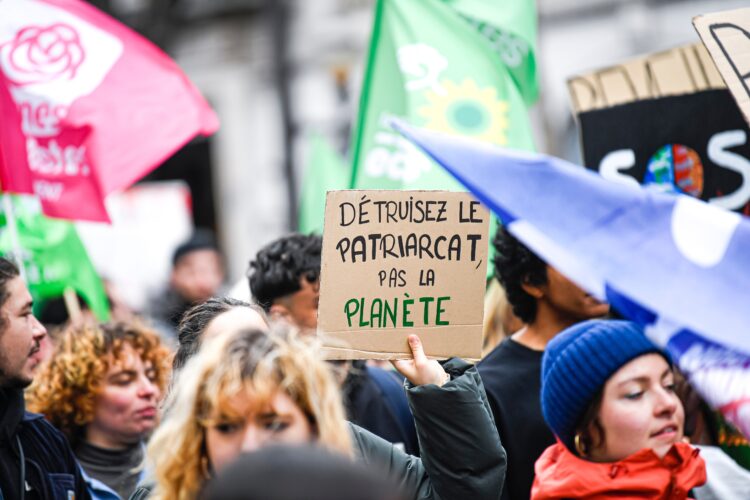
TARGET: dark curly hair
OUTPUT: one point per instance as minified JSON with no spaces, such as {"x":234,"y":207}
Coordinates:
{"x":515,"y":265}
{"x":279,"y":266}
{"x":194,"y":322}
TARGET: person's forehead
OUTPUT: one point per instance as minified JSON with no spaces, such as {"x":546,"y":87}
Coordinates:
{"x":651,"y":365}
{"x":126,"y":358}
{"x":554,"y":274}
{"x":18,"y":293}
{"x":199,"y":256}
{"x":234,"y":319}
{"x":307,"y":287}
{"x":248,"y":404}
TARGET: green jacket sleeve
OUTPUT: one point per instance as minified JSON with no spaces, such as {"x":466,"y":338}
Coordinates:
{"x":462,"y":457}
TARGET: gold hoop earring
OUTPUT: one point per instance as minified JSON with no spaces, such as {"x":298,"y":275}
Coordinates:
{"x":579,"y":446}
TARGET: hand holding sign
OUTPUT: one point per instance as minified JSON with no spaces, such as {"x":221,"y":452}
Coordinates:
{"x":420,"y":370}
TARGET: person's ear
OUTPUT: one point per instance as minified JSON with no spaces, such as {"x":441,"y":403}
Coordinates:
{"x":536,"y":291}
{"x":279,"y":311}
{"x":173,"y":277}
{"x":594,"y":438}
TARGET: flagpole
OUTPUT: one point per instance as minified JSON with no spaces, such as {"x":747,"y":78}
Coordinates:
{"x":279,"y":17}
{"x":10,"y":217}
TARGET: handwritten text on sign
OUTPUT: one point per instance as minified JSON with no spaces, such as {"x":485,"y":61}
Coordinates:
{"x":401,"y":262}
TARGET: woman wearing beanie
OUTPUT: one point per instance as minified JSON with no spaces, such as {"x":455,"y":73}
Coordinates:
{"x":608,"y":395}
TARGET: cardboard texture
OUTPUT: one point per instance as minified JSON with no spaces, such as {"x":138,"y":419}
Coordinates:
{"x":726,"y":35}
{"x":682,"y":70}
{"x":383,"y":250}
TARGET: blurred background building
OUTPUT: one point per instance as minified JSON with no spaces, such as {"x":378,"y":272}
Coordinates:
{"x":277,"y":71}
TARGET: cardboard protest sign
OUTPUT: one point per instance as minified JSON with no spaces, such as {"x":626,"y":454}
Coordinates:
{"x":726,"y":35}
{"x":681,"y":70}
{"x":397,"y":263}
{"x":667,"y":121}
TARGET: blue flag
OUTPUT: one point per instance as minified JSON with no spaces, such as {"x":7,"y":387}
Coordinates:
{"x":675,"y":264}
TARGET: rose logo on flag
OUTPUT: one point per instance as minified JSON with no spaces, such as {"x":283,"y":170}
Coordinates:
{"x":42,"y":54}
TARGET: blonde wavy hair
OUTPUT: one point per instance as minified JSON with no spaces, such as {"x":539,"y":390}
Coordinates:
{"x":67,"y":388}
{"x":252,"y":362}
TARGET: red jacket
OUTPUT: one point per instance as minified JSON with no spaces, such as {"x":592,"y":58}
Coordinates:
{"x":561,"y":474}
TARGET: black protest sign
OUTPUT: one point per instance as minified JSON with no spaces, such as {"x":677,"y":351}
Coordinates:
{"x":694,"y":143}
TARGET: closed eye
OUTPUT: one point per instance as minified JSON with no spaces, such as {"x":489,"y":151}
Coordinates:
{"x":634,"y":395}
{"x":123,"y":378}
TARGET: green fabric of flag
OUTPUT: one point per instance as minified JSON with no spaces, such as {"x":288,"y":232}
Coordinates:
{"x":326,"y":171}
{"x":54,"y":258}
{"x":430,"y":66}
{"x":511,"y":28}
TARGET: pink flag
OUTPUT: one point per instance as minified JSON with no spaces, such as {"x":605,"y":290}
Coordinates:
{"x":100,"y":106}
{"x":12,"y":146}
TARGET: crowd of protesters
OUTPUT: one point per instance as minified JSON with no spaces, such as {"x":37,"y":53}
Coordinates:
{"x":213,"y":397}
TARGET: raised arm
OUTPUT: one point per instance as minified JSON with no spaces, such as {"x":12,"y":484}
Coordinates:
{"x":462,"y":456}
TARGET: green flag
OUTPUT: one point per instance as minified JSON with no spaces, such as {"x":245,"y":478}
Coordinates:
{"x":326,"y":170}
{"x":54,"y":258}
{"x":429,"y":65}
{"x":459,"y":66}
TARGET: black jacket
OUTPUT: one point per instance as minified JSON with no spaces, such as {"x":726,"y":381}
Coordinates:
{"x":49,"y":467}
{"x":381,"y":409}
{"x":512,"y":377}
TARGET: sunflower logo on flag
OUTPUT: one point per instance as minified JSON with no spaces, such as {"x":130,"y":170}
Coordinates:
{"x":468,"y":110}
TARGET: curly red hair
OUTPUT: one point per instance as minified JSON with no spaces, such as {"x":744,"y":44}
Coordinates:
{"x":66,"y":390}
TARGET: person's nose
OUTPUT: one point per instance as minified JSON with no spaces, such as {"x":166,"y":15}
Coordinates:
{"x":252,"y":439}
{"x":37,"y":329}
{"x":666,"y":402}
{"x":148,"y":388}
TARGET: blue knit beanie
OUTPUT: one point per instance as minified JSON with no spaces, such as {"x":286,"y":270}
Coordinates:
{"x":576,"y":364}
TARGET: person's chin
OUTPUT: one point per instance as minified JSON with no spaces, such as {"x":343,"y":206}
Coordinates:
{"x":21,"y":381}
{"x":598,"y":310}
{"x":145,"y":427}
{"x":136,"y":435}
{"x":146,"y":430}
{"x":663,"y":447}
{"x":32,"y":365}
